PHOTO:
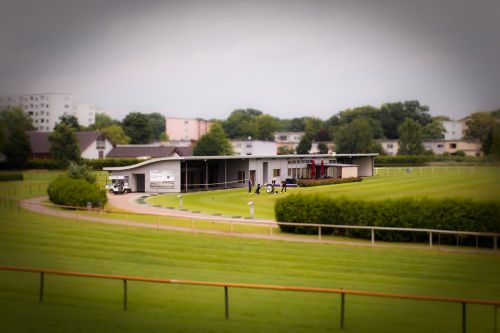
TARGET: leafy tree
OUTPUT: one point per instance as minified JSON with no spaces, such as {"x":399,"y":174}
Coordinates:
{"x":323,"y":148}
{"x":293,"y":125}
{"x":266,"y":126}
{"x":14,"y":141}
{"x":214,"y":143}
{"x":137,"y":126}
{"x":410,"y":138}
{"x":433,"y":130}
{"x":392,"y":115}
{"x":115,"y":134}
{"x":483,"y":126}
{"x":102,"y":120}
{"x":70,"y":120}
{"x":164,"y":136}
{"x":64,"y":145}
{"x":304,"y":146}
{"x":354,"y":137}
{"x":157,"y":124}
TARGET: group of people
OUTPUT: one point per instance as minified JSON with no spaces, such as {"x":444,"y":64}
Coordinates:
{"x":270,"y":188}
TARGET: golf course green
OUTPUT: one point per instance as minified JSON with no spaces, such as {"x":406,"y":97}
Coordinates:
{"x":89,"y":305}
{"x":476,"y":184}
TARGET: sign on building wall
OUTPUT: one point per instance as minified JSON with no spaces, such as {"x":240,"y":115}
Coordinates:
{"x":162,"y":178}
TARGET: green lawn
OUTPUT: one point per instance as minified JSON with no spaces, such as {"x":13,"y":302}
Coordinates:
{"x":87,"y":305}
{"x":480,"y":183}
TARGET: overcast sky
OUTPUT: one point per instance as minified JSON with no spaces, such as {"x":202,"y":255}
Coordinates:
{"x":286,"y":58}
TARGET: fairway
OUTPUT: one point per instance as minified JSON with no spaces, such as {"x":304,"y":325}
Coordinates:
{"x":72,"y":304}
{"x":476,"y":184}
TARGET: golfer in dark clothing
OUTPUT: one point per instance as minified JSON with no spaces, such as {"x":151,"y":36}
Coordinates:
{"x":257,"y":190}
{"x":283,"y":185}
{"x":249,"y":186}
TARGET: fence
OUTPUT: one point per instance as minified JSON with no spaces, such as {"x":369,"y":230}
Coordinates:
{"x":226,"y":286}
{"x":272,"y":225}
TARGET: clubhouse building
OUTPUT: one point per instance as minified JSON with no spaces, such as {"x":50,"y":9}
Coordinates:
{"x":177,"y":174}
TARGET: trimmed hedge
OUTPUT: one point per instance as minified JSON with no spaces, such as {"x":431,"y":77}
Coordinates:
{"x":417,"y":160}
{"x":75,"y":192}
{"x":326,"y":181}
{"x":444,"y":214}
{"x":11,"y":176}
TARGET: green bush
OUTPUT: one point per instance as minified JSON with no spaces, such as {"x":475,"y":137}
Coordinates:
{"x":443,"y":214}
{"x":11,"y":176}
{"x":75,"y":192}
{"x":44,"y":164}
{"x":416,"y":160}
{"x":326,"y":181}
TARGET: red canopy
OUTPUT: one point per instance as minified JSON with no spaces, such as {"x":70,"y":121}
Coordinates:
{"x":313,"y":169}
{"x":322,"y":169}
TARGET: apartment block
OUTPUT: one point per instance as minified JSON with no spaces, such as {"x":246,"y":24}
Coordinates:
{"x":186,"y":129}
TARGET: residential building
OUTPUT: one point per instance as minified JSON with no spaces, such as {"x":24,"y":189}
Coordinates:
{"x":438,"y":147}
{"x":254,"y":147}
{"x":93,"y":145}
{"x":45,"y":109}
{"x":454,"y":130}
{"x":185,"y":129}
{"x":290,"y":140}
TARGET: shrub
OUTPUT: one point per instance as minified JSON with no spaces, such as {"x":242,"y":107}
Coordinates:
{"x":11,"y":176}
{"x":444,"y":214}
{"x":326,"y":181}
{"x":75,"y":192}
{"x":45,"y":164}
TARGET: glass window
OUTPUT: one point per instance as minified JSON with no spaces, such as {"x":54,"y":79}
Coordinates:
{"x":276,"y":172}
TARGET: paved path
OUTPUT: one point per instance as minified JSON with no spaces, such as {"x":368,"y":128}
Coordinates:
{"x":35,"y":205}
{"x":129,"y":203}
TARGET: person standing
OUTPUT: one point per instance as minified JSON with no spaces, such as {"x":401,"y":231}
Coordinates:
{"x":273,"y":184}
{"x":249,"y":186}
{"x":283,"y":185}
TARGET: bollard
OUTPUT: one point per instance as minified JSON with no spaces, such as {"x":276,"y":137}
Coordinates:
{"x":226,"y":302}
{"x":430,"y":240}
{"x":319,"y":233}
{"x":125,"y":294}
{"x":373,"y":237}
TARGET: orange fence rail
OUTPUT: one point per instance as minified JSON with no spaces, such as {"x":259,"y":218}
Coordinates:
{"x":227,"y":285}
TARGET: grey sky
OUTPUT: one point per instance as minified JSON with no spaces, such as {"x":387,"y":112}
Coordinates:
{"x":286,"y":58}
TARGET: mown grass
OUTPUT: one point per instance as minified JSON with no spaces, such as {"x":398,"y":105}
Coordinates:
{"x":479,"y":183}
{"x":89,"y":305}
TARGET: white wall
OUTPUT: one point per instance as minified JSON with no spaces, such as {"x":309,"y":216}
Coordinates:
{"x":93,"y":153}
{"x":254,"y":147}
{"x":85,"y":113}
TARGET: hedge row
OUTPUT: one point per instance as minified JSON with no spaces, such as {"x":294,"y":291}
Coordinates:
{"x":11,"y":176}
{"x":415,"y":160}
{"x":444,"y":214}
{"x":326,"y":181}
{"x":75,"y":192}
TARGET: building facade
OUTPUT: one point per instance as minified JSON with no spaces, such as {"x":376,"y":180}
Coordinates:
{"x":438,"y":147}
{"x":290,"y":140}
{"x":454,"y":130}
{"x":45,"y":109}
{"x":186,"y":129}
{"x":254,"y":147}
{"x":195,"y":173}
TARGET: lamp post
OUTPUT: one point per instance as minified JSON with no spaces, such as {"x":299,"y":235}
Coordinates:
{"x":180,"y":201}
{"x":250,"y":203}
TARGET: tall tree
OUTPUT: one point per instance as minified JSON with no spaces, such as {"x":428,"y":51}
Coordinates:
{"x":157,"y":124}
{"x":64,"y":145}
{"x":392,"y":115}
{"x":138,"y":128}
{"x":433,"y":130}
{"x":241,"y":123}
{"x":482,"y":126}
{"x":266,"y":126}
{"x":410,"y":138}
{"x":304,"y":146}
{"x":70,"y":120}
{"x":354,"y":137}
{"x":116,"y":134}
{"x":214,"y":143}
{"x":14,"y":142}
{"x":102,"y":120}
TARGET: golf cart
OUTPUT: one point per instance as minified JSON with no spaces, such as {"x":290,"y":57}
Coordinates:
{"x":118,"y":185}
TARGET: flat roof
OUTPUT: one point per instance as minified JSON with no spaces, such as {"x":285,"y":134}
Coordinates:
{"x":235,"y":157}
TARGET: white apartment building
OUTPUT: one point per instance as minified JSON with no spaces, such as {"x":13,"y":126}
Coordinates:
{"x":186,"y":129}
{"x":288,"y":139}
{"x":455,"y":130}
{"x":254,"y":147}
{"x":438,"y":147}
{"x":45,"y":109}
